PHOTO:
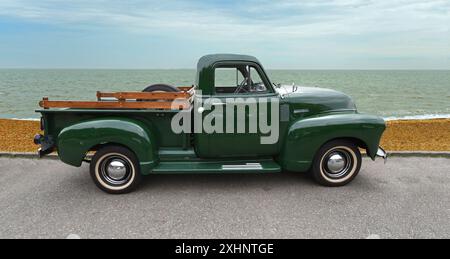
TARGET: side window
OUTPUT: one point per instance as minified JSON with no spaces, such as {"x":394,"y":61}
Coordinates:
{"x":239,"y":79}
{"x":227,"y":79}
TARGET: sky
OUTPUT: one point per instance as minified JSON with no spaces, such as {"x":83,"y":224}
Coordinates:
{"x":304,"y":34}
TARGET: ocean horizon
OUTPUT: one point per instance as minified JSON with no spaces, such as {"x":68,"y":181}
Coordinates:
{"x":392,"y":94}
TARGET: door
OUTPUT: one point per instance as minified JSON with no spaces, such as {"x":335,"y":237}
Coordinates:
{"x":240,"y":119}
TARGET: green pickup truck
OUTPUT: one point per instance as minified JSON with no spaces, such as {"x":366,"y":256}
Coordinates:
{"x":232,"y":120}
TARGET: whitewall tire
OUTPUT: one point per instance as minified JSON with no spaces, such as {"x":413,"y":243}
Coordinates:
{"x":115,"y":170}
{"x":336,"y":163}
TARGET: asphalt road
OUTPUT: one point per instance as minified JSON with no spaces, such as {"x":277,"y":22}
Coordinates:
{"x":406,"y":198}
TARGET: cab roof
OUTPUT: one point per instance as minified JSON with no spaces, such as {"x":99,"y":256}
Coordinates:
{"x":210,"y":60}
{"x":205,"y":68}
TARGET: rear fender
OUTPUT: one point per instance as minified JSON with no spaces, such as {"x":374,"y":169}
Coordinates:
{"x":76,"y":140}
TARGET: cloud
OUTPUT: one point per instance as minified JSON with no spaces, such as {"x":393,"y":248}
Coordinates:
{"x":334,"y":31}
{"x":290,"y":19}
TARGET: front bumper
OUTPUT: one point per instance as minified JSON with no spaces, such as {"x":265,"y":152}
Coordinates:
{"x":382,"y":153}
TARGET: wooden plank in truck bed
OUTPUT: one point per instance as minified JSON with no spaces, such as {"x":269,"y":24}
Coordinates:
{"x":46,"y":104}
{"x":144,"y":95}
{"x":130,"y":100}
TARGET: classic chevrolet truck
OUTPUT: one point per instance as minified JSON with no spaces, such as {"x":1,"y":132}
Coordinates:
{"x":268,"y":128}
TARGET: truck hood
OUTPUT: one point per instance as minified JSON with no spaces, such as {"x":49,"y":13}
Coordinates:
{"x":313,"y":100}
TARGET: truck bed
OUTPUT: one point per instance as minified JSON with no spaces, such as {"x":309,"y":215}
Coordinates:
{"x":155,"y":109}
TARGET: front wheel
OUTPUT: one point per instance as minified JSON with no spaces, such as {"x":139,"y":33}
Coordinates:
{"x":115,"y":170}
{"x":336,"y":163}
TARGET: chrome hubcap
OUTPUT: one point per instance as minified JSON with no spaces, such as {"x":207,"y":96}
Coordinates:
{"x":116,"y":170}
{"x":337,"y":163}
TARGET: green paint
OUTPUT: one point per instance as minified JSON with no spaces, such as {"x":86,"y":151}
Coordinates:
{"x":306,"y":136}
{"x":76,"y":140}
{"x":309,"y":118}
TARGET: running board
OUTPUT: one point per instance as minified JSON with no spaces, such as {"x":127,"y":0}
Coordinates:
{"x":258,"y":166}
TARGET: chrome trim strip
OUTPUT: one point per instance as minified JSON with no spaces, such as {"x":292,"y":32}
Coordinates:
{"x":247,"y":166}
{"x":301,"y":111}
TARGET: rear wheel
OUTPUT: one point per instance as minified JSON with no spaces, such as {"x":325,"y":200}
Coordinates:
{"x":115,"y":170}
{"x":336,"y":163}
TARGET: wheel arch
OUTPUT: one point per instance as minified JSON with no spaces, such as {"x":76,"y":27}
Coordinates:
{"x":358,"y":142}
{"x":100,"y":146}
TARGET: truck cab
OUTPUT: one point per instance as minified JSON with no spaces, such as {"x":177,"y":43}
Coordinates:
{"x":238,"y":81}
{"x":233,"y":119}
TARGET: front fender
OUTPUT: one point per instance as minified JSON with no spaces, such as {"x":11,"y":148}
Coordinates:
{"x":306,"y":136}
{"x":76,"y":140}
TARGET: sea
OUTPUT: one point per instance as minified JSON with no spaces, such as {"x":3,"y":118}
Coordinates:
{"x":392,"y":94}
